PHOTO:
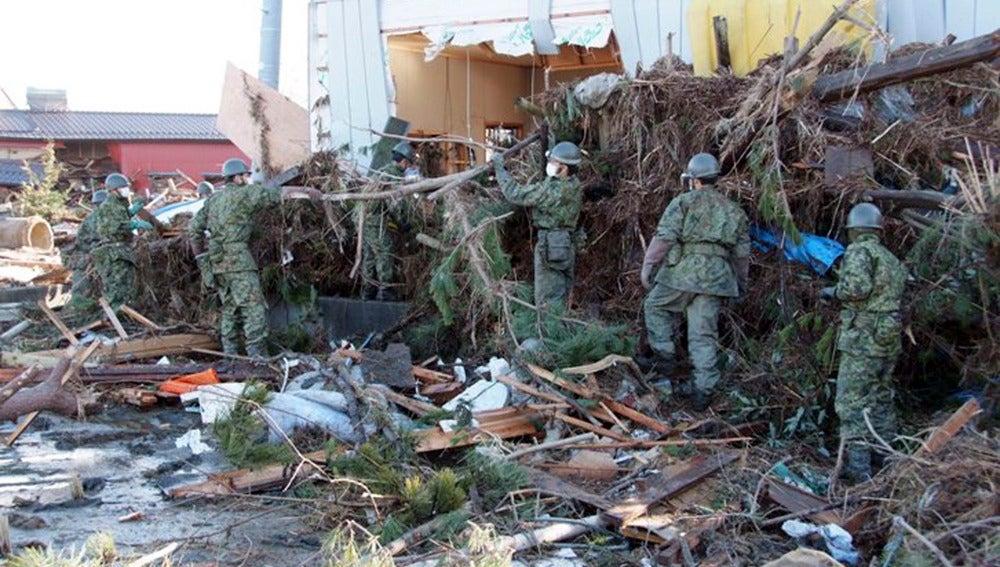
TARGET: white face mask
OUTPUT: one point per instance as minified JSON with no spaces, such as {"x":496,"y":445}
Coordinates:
{"x":552,"y":170}
{"x":125,"y":192}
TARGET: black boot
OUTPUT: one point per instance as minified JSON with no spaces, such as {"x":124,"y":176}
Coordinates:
{"x":386,"y":294}
{"x":700,"y":401}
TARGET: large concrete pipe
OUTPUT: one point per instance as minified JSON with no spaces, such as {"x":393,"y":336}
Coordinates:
{"x":19,"y":232}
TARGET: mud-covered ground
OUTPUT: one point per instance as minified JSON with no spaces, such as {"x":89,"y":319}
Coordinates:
{"x":123,"y":459}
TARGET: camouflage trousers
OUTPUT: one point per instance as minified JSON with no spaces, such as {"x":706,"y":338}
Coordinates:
{"x":553,"y":274}
{"x":662,"y":305}
{"x":864,"y":385}
{"x":117,"y":278}
{"x":244,"y":312}
{"x":378,"y":266}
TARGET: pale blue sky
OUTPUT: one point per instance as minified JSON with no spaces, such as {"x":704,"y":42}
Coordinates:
{"x":142,"y":55}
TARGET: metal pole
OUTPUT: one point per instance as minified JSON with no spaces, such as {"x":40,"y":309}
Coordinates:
{"x":270,"y":42}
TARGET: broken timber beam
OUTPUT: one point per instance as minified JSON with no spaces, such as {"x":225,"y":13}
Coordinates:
{"x":954,"y":424}
{"x":829,"y":88}
{"x":695,"y":470}
{"x":131,"y":349}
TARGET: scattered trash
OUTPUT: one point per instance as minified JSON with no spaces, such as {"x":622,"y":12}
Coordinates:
{"x":838,"y":541}
{"x":192,"y":440}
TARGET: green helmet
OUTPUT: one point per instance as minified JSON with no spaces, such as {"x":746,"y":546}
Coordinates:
{"x":233,"y":167}
{"x":864,"y":215}
{"x":205,"y":189}
{"x":566,"y":153}
{"x":702,"y":166}
{"x":116,"y":181}
{"x":99,"y":196}
{"x":403,"y":150}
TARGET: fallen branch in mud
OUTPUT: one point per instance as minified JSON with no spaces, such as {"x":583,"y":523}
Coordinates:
{"x":49,"y":395}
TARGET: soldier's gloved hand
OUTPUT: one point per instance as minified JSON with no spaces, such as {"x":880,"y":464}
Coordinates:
{"x":136,"y":206}
{"x":139,"y":224}
{"x":828,"y":294}
{"x":647,"y":271}
{"x":497,"y":159}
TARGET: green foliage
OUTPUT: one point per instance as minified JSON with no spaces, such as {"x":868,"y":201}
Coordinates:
{"x":493,"y":479}
{"x":351,"y":545}
{"x":569,"y":343}
{"x":773,"y":205}
{"x":379,"y":463}
{"x":294,"y":337}
{"x":243,"y":433}
{"x":41,"y":195}
{"x":423,"y":500}
{"x":444,"y":287}
{"x":98,"y":551}
{"x":955,"y":256}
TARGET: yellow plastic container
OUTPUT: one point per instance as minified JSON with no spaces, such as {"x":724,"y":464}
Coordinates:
{"x":757,"y":28}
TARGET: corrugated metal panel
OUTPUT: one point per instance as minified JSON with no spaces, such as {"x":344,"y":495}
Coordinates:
{"x":12,"y":172}
{"x":929,"y":21}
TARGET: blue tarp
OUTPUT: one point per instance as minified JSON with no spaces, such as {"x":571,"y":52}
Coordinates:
{"x":817,"y":252}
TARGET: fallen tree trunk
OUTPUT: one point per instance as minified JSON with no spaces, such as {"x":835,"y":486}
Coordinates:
{"x":46,"y":396}
{"x":427,"y":185}
{"x":829,"y":88}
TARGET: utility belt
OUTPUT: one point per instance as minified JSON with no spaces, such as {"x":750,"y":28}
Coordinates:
{"x":705,"y":249}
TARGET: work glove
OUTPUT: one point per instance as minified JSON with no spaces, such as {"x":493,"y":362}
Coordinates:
{"x":136,"y":207}
{"x":828,"y":294}
{"x":497,"y":159}
{"x":139,"y":224}
{"x":655,"y":253}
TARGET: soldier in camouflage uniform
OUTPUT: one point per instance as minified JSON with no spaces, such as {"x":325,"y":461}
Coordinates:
{"x":705,"y":239}
{"x":555,"y":206}
{"x":380,"y":223}
{"x":870,"y":287}
{"x":227,"y":220}
{"x":79,"y":261}
{"x":113,"y":255}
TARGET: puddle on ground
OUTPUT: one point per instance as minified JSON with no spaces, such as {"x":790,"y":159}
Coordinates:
{"x":66,"y":480}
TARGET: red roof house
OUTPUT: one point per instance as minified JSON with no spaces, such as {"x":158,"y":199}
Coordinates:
{"x":146,"y":147}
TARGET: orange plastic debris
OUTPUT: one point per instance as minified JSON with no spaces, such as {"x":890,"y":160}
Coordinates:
{"x":190,"y":382}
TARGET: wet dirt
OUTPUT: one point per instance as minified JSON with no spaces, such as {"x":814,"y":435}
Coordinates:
{"x":66,"y":480}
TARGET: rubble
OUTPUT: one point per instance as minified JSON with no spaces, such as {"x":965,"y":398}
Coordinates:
{"x":568,"y":444}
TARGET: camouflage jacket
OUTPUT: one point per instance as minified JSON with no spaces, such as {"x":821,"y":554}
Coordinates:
{"x":86,"y":236}
{"x":382,"y":215}
{"x":198,"y":227}
{"x":230,"y":219}
{"x":555,"y":202}
{"x":708,"y":233}
{"x":870,"y":287}
{"x":113,"y":226}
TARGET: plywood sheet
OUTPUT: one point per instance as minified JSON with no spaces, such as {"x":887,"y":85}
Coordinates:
{"x":266,"y":125}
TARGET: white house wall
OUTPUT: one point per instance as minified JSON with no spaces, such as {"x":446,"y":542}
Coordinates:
{"x":642,"y":28}
{"x":348,"y":71}
{"x":930,"y":21}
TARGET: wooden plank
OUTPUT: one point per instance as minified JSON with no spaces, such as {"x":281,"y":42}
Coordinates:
{"x":636,"y":416}
{"x":57,"y":322}
{"x":579,"y":423}
{"x":796,"y":500}
{"x":829,"y":88}
{"x":530,"y":390}
{"x":139,"y":318}
{"x":244,"y":481}
{"x":121,"y":351}
{"x":635,"y":444}
{"x":113,"y":318}
{"x":547,"y":483}
{"x":416,"y":406}
{"x":519,"y":423}
{"x":428,"y":376}
{"x":693,"y":472}
{"x":287,"y":123}
{"x":951,"y":427}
